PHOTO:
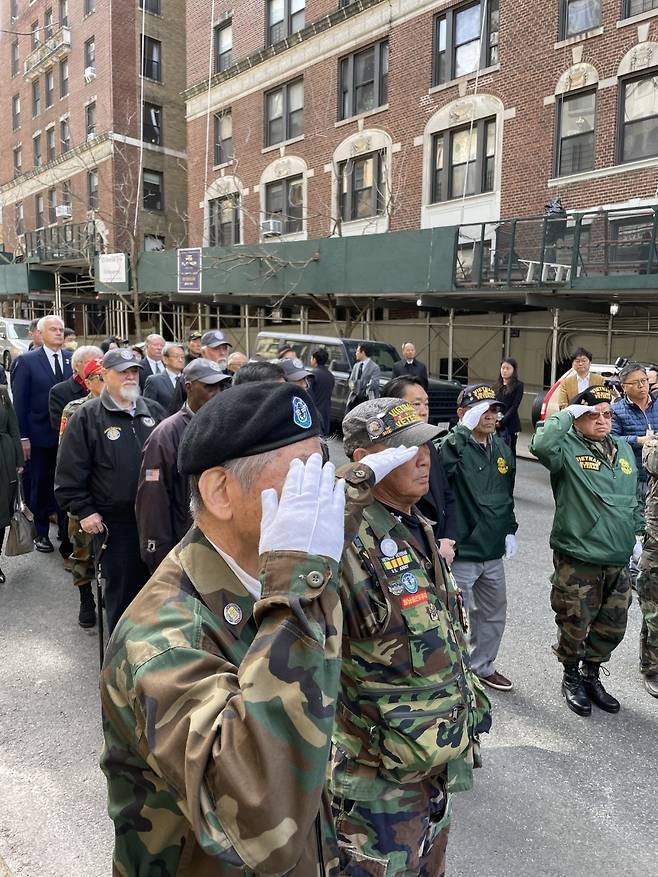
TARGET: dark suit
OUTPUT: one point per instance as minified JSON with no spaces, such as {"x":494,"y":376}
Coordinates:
{"x":413,"y":369}
{"x":321,"y":387}
{"x":32,"y":379}
{"x":60,"y":396}
{"x":438,"y":504}
{"x":145,"y":371}
{"x":160,"y":388}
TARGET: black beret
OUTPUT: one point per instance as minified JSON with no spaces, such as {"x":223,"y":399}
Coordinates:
{"x":594,"y":396}
{"x":250,"y":419}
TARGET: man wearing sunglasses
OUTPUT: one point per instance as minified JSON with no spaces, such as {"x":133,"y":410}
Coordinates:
{"x":597,"y":520}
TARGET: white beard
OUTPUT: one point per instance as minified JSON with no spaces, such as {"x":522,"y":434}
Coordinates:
{"x":130,"y":394}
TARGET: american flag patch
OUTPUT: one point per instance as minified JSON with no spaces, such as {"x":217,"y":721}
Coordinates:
{"x":152,"y":475}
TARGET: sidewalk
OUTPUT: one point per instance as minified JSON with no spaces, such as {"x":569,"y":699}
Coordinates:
{"x":522,"y":446}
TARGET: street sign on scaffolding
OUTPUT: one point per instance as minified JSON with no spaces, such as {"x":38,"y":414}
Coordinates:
{"x":189,"y":269}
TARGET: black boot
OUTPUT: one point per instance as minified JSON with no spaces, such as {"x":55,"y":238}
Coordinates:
{"x":595,"y":690}
{"x":574,"y":691}
{"x":87,"y":614}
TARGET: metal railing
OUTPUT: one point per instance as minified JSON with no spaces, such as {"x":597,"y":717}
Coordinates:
{"x":63,"y":243}
{"x":57,"y":46}
{"x":554,"y":251}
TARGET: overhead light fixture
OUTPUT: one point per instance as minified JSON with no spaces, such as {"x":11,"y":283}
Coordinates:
{"x":614,"y":309}
{"x":419,"y":302}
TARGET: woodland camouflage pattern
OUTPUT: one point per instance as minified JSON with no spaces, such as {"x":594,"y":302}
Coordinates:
{"x":647,"y":582}
{"x":82,"y":554}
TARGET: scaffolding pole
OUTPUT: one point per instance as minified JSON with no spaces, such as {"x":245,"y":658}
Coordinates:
{"x":556,"y":331}
{"x":451,"y":341}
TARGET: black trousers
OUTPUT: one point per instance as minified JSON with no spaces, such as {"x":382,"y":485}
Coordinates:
{"x":123,"y":570}
{"x":42,"y":480}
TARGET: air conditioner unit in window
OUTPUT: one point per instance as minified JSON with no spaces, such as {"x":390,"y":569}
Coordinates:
{"x":63,"y":211}
{"x":271,"y":227}
{"x":91,"y":137}
{"x":89,"y":74}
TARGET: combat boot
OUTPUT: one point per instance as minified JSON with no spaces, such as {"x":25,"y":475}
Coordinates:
{"x":595,"y":690}
{"x":574,"y":691}
{"x":87,"y":614}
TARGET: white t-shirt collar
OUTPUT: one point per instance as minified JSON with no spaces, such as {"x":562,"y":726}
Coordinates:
{"x":251,"y":584}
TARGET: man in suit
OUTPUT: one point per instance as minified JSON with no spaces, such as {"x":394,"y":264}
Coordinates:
{"x":322,"y":386}
{"x":581,"y":360}
{"x":34,"y":375}
{"x":364,"y":380}
{"x":161,"y":387}
{"x":72,"y":388}
{"x":409,"y":366}
{"x":152,"y":363}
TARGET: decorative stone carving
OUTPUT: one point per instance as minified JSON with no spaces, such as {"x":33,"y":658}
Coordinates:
{"x":282,"y":168}
{"x":641,"y":57}
{"x":360,"y":145}
{"x":577,"y":76}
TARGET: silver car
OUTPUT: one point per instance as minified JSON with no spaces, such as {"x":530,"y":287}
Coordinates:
{"x":14,"y":339}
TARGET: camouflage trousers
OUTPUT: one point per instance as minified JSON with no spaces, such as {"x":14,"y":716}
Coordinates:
{"x":647,"y":594}
{"x":83,"y":558}
{"x":402,"y":832}
{"x":591,"y":608}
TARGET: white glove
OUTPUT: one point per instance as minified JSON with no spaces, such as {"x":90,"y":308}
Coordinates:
{"x":384,"y":462}
{"x":511,"y":546}
{"x":578,"y":410}
{"x":473,"y":415}
{"x":637,"y":550}
{"x":309,"y":515}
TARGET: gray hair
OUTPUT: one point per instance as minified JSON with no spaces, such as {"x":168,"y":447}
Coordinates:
{"x":172,"y":345}
{"x":405,"y":343}
{"x":629,"y":368}
{"x":41,"y":325}
{"x":86,"y":352}
{"x":235,"y":355}
{"x":245,"y":470}
{"x":150,"y":337}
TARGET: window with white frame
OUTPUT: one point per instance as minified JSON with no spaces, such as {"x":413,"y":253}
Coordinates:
{"x":575,"y":134}
{"x":63,"y":78}
{"x":284,"y":113}
{"x":15,"y":112}
{"x":52,"y":206}
{"x":223,"y":123}
{"x":36,"y":150}
{"x":49,"y":80}
{"x":362,"y":187}
{"x":639,"y":117}
{"x":579,"y":16}
{"x":464,"y":161}
{"x":284,"y":200}
{"x":92,"y":190}
{"x":51,"y":153}
{"x":364,"y":80}
{"x":224,"y":220}
{"x":465,"y":40}
{"x":39,"y":217}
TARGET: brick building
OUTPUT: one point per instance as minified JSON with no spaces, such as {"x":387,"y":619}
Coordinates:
{"x":330,"y":117}
{"x":93,"y":155}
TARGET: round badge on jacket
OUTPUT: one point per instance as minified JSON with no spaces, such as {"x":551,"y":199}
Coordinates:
{"x":113,"y":433}
{"x":233,"y":613}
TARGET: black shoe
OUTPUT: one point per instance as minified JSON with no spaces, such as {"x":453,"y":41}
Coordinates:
{"x":650,"y":681}
{"x":43,"y":544}
{"x":87,"y":614}
{"x":595,"y":690}
{"x":574,"y":691}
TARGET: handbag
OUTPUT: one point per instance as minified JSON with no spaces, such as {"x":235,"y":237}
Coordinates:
{"x":20,"y":539}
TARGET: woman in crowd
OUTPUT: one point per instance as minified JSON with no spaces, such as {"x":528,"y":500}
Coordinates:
{"x":509,"y":389}
{"x":11,"y":463}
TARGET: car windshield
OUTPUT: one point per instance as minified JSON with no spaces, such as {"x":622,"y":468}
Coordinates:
{"x":18,"y":330}
{"x":383,"y":354}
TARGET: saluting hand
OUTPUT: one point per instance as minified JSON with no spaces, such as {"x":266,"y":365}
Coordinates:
{"x":384,"y":462}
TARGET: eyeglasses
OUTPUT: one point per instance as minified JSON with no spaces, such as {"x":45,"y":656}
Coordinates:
{"x":594,"y":415}
{"x":639,"y":383}
{"x":96,"y":378}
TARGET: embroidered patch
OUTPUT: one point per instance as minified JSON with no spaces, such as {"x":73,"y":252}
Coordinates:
{"x":503,"y":468}
{"x":113,"y":433}
{"x":301,"y":414}
{"x":589,"y":461}
{"x":152,"y":475}
{"x":388,"y":547}
{"x":625,"y":467}
{"x":399,"y":563}
{"x":410,"y":582}
{"x":233,"y":613}
{"x":148,"y":421}
{"x":125,"y":353}
{"x":396,"y":588}
{"x":410,"y":600}
{"x":432,"y":611}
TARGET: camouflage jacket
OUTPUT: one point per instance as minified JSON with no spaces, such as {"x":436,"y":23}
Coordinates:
{"x":409,"y":705}
{"x":217,"y":718}
{"x":650,"y":463}
{"x":69,"y":410}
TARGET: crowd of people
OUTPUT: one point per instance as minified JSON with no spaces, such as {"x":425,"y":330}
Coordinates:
{"x":275,"y":622}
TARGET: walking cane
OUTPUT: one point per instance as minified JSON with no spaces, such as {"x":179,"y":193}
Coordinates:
{"x":98,"y":555}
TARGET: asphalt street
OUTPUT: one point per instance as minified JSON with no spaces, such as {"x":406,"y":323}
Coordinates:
{"x":558,"y":796}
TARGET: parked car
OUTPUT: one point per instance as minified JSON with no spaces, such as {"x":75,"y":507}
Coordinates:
{"x":342,"y":356}
{"x":14,"y":339}
{"x":546,"y":404}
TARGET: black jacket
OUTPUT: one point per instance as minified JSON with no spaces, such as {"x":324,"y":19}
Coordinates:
{"x":163,"y":495}
{"x":438,"y":504}
{"x":160,"y":388}
{"x":510,"y":419}
{"x":321,"y":387}
{"x":99,"y":457}
{"x":413,"y":369}
{"x":59,"y":397}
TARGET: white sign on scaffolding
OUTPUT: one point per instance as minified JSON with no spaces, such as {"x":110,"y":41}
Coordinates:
{"x":112,"y":268}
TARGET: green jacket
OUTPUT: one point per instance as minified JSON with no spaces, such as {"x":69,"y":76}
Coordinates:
{"x":483,"y":484}
{"x":596,"y":509}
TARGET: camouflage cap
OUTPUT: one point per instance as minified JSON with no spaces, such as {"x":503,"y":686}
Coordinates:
{"x":390,"y":422}
{"x":476,"y":393}
{"x":593,"y":396}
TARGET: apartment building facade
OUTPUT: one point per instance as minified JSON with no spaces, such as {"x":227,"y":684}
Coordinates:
{"x":317,"y":118}
{"x":93,"y":154}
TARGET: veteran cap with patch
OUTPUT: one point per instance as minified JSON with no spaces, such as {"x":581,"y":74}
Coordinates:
{"x":121,"y":359}
{"x":250,"y":419}
{"x":205,"y":371}
{"x":476,"y":393}
{"x":294,"y":369}
{"x":593,"y":396}
{"x":390,"y":422}
{"x":215,"y":338}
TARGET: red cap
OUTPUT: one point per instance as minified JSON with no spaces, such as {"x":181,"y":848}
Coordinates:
{"x":93,"y":367}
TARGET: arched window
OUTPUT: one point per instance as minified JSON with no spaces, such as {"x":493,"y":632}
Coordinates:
{"x":283,"y":189}
{"x":362,"y":183}
{"x":575,"y":110}
{"x":638,"y":103}
{"x":222,"y":219}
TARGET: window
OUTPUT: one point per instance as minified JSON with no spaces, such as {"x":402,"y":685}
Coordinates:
{"x":152,"y":59}
{"x":361,"y":186}
{"x":15,"y":59}
{"x":464,"y":161}
{"x":63,"y":13}
{"x":636,"y":7}
{"x":50,"y":87}
{"x":639,"y":118}
{"x":36,"y":97}
{"x":66,"y":192}
{"x":36,"y":150}
{"x":50,"y":144}
{"x":64,"y":135}
{"x":48,"y":24}
{"x":19,"y":224}
{"x":284,"y":113}
{"x":90,"y":52}
{"x":63,"y":78}
{"x":223,"y":47}
{"x":38,"y":211}
{"x":15,"y":112}
{"x":89,"y":7}
{"x":153,"y":190}
{"x":575,"y":135}
{"x":284,"y":200}
{"x":52,"y":206}
{"x":18,"y":160}
{"x":364,"y":80}
{"x":34,"y":29}
{"x":224,"y":221}
{"x":579,"y":16}
{"x":223,"y":137}
{"x":90,"y":120}
{"x":13,"y":9}
{"x":153,"y":243}
{"x":152,"y":6}
{"x":92,"y":190}
{"x":152,"y":124}
{"x":458,"y":50}
{"x":284,"y":17}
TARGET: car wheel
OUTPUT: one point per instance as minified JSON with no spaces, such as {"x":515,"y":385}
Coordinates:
{"x":6,"y":360}
{"x":536,"y":408}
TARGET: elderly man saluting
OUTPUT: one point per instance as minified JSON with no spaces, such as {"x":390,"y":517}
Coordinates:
{"x":595,"y":528}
